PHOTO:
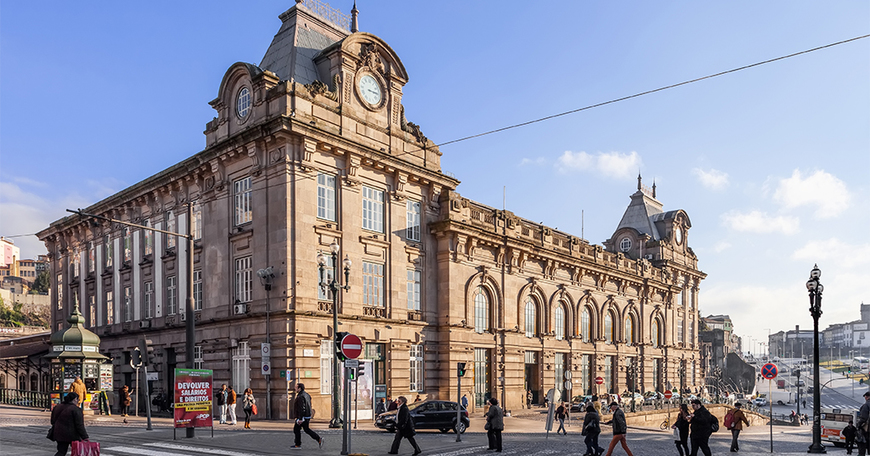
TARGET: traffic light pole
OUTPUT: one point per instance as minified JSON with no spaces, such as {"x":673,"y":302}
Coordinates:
{"x":147,"y":402}
{"x":460,"y":368}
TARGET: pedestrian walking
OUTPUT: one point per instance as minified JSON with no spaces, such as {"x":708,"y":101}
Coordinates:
{"x":862,"y":435}
{"x":221,"y":396}
{"x":529,"y":397}
{"x":681,"y":430}
{"x":404,"y":428}
{"x":737,"y":421}
{"x":464,"y":402}
{"x":303,"y":412}
{"x":67,"y":423}
{"x":494,"y":425}
{"x":849,"y":433}
{"x":124,"y":396}
{"x":701,"y":427}
{"x":561,"y":415}
{"x":591,"y":429}
{"x":231,"y":406}
{"x":380,"y":407}
{"x":78,"y":387}
{"x":619,"y":429}
{"x":248,"y":403}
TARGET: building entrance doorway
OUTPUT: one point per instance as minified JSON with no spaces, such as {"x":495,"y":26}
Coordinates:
{"x":532,"y":380}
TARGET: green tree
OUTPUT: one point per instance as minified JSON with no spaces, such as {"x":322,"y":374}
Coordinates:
{"x":11,"y":316}
{"x":42,"y":283}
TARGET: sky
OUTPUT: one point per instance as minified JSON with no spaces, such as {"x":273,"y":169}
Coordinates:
{"x":771,"y":163}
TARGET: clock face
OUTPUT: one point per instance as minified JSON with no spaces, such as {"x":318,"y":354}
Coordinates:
{"x":370,"y":90}
{"x":678,"y":235}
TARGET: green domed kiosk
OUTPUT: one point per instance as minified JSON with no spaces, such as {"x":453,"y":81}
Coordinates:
{"x":75,"y":352}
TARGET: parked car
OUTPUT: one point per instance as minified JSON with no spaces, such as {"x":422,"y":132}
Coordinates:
{"x":651,"y":396}
{"x":439,"y":415}
{"x":760,"y":401}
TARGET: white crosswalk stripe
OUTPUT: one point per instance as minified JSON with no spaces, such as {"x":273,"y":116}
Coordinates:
{"x":179,"y":447}
{"x":168,"y":449}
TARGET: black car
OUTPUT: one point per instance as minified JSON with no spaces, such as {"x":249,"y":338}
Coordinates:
{"x":439,"y":415}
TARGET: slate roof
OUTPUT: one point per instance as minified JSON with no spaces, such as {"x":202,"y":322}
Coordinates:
{"x":291,"y":54}
{"x":641,"y":214}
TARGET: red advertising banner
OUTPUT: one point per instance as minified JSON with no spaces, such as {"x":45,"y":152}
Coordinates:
{"x":193,"y":398}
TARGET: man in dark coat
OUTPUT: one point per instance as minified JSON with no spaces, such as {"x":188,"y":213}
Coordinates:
{"x":849,"y":433}
{"x":701,"y":427}
{"x":620,"y":427}
{"x":302,"y":413}
{"x":68,"y":423}
{"x":404,"y":428}
{"x":863,"y":422}
{"x":494,"y":425}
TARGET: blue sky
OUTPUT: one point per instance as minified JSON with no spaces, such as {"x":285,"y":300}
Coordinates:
{"x":770,"y":163}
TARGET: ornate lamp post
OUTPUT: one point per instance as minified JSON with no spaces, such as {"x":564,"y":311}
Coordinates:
{"x":815,"y":288}
{"x":682,"y":371}
{"x":631,"y":370}
{"x":333,"y":284}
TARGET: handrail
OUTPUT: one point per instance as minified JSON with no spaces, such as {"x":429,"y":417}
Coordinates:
{"x":25,"y":398}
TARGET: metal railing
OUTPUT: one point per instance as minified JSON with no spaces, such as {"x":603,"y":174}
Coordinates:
{"x":24,"y":398}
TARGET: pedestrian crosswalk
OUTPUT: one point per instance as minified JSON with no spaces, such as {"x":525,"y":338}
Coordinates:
{"x":166,"y":449}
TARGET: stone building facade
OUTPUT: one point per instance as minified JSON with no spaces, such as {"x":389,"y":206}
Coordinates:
{"x":312,"y":148}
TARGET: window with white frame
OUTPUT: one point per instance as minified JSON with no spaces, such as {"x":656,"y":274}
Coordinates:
{"x":585,"y":325}
{"x":170,"y":226}
{"x":416,"y":358}
{"x":148,"y":302}
{"x":110,"y":307}
{"x":680,"y":330}
{"x":531,"y":321}
{"x":60,"y":292}
{"x":244,"y":279}
{"x":243,"y":207}
{"x":108,"y":251}
{"x":373,"y":284}
{"x":481,"y":310}
{"x":412,"y":230}
{"x":325,"y":293}
{"x":196,"y":228}
{"x":608,"y":328}
{"x":656,"y":333}
{"x":197,"y":357}
{"x":128,"y":244}
{"x":197,"y":289}
{"x":171,"y":295}
{"x":147,"y":240}
{"x":413,"y":289}
{"x":326,"y":197}
{"x":559,"y":317}
{"x":77,"y":263}
{"x":373,"y":209}
{"x":326,"y":354}
{"x":92,"y":254}
{"x":241,"y":366}
{"x":128,"y":304}
{"x":629,"y":330}
{"x":92,"y":310}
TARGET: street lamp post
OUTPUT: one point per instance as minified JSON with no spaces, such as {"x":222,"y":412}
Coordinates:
{"x":632,"y":374}
{"x":334,"y":286}
{"x":682,"y":371}
{"x":815,"y":288}
{"x":266,"y":276}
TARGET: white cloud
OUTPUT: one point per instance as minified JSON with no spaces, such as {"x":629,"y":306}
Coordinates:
{"x":712,"y":179}
{"x":760,"y":222}
{"x":615,"y":165}
{"x":533,"y":161}
{"x":833,"y":249}
{"x":827,"y":194}
{"x":721,"y":246}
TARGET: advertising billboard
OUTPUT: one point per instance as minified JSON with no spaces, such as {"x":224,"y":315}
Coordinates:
{"x":193,"y":398}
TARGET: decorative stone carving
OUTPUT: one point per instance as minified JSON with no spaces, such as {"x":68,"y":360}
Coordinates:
{"x":370,"y":57}
{"x":412,"y":128}
{"x":320,"y":88}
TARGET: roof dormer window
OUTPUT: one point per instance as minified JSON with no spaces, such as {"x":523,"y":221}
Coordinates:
{"x":243,"y":103}
{"x":625,"y":244}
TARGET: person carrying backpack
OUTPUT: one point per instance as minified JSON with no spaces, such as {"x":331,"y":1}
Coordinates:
{"x":703,"y":425}
{"x":734,"y":420}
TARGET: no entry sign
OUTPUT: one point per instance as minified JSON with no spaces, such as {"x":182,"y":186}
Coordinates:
{"x":351,"y":346}
{"x":668,"y":394}
{"x":599,"y":380}
{"x":769,"y":371}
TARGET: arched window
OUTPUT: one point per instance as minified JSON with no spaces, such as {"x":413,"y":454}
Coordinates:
{"x":2,"y":380}
{"x":34,"y":382}
{"x":656,"y":333}
{"x":22,"y":382}
{"x":585,"y":326}
{"x":559,"y":315}
{"x":481,"y":310}
{"x":608,"y":328}
{"x":531,"y":323}
{"x":629,"y":331}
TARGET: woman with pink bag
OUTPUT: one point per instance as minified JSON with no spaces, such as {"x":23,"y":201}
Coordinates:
{"x":67,"y":424}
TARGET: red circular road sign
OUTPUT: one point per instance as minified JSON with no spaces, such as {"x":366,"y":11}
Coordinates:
{"x":351,"y":346}
{"x":769,"y":371}
{"x":668,"y":394}
{"x":599,"y":380}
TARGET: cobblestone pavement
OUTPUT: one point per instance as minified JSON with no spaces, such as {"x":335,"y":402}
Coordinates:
{"x":22,"y":433}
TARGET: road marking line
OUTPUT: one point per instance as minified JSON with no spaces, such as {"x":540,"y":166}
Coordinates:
{"x":461,"y":452}
{"x":143,"y":452}
{"x":175,"y":446}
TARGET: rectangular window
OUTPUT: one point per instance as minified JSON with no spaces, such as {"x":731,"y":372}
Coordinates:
{"x":197,"y":357}
{"x":416,"y":355}
{"x":242,"y":193}
{"x":170,"y":226}
{"x":77,"y":263}
{"x":91,"y":257}
{"x":608,"y":374}
{"x":680,"y":330}
{"x":373,"y":284}
{"x":128,"y":304}
{"x":110,"y":308}
{"x":481,"y":376}
{"x":244,"y":279}
{"x":196,"y":228}
{"x":325,"y":293}
{"x":92,"y":311}
{"x":149,"y":300}
{"x":171,"y":295}
{"x":412,"y":230}
{"x":60,"y":292}
{"x":241,"y":367}
{"x":128,"y":244}
{"x":197,"y":289}
{"x":108,"y":251}
{"x":413,"y":289}
{"x":326,"y":197}
{"x":586,"y":374}
{"x":373,"y":209}
{"x":147,"y":241}
{"x":326,"y":354}
{"x":657,"y":374}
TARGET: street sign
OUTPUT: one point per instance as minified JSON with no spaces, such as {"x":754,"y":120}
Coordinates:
{"x":668,"y":394}
{"x":351,"y":363}
{"x":266,"y":358}
{"x":599,"y":380}
{"x":568,"y":375}
{"x":351,"y":346}
{"x":568,"y":385}
{"x":769,"y":371}
{"x":152,"y":377}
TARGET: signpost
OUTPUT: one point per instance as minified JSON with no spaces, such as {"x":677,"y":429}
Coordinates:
{"x":668,"y":396}
{"x":193,"y":399}
{"x":551,"y":395}
{"x":351,"y":348}
{"x":769,"y":371}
